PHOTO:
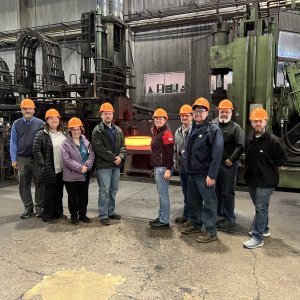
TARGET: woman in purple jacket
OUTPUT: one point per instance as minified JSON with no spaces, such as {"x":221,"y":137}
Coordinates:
{"x":78,"y":158}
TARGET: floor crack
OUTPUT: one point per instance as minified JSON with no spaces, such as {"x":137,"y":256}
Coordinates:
{"x":26,"y":270}
{"x":255,"y":276}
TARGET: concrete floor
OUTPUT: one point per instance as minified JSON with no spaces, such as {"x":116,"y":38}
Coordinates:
{"x":129,"y":261}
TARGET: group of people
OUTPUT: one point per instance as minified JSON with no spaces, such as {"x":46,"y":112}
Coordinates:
{"x":55,"y":158}
{"x":205,"y":152}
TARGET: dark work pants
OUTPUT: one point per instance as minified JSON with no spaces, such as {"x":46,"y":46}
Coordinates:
{"x":78,"y":194}
{"x":53,"y":207}
{"x":225,"y":190}
{"x":28,"y":171}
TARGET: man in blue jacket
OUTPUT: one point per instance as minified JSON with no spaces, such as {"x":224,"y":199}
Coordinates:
{"x":21,"y":140}
{"x":202,"y":158}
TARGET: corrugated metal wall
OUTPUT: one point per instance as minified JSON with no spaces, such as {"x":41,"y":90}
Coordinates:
{"x":200,"y":67}
{"x":144,"y":5}
{"x":45,"y":12}
{"x":9,"y":15}
{"x":289,"y":21}
{"x":169,"y":50}
{"x":9,"y":58}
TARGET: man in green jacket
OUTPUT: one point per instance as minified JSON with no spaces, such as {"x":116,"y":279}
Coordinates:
{"x":110,"y":153}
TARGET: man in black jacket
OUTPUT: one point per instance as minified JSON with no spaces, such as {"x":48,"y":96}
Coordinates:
{"x":234,"y":141}
{"x":110,"y":152}
{"x":265,"y":156}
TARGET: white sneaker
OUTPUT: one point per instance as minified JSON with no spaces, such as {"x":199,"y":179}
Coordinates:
{"x":265,"y":234}
{"x":253,"y":243}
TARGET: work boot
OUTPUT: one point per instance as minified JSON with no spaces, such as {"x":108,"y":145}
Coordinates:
{"x":154,"y":221}
{"x":49,"y":220}
{"x":60,"y":217}
{"x":27,"y":213}
{"x":206,"y":237}
{"x":105,"y":221}
{"x":224,"y":223}
{"x":187,"y":224}
{"x":180,"y":220}
{"x":115,"y":217}
{"x":74,"y":221}
{"x":159,"y":225}
{"x":191,"y":229}
{"x":39,"y":214}
{"x":85,"y":219}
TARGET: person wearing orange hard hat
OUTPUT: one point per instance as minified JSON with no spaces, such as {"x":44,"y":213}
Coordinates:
{"x":78,"y":158}
{"x":234,"y":142}
{"x":265,"y":156}
{"x":110,"y":153}
{"x":47,"y":153}
{"x":201,"y":159}
{"x":162,"y":152}
{"x":186,"y":118}
{"x":21,"y":140}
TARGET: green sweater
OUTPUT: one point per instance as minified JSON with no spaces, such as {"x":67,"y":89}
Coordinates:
{"x":104,"y":152}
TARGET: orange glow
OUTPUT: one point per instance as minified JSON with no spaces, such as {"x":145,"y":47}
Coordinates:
{"x":138,"y":142}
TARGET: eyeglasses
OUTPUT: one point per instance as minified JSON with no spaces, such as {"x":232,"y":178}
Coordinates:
{"x":199,"y":111}
{"x":225,"y":112}
{"x":75,"y":129}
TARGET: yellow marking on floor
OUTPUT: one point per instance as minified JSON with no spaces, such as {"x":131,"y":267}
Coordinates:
{"x":72,"y":284}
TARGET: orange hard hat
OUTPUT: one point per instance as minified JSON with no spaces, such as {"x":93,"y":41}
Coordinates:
{"x":51,"y":113}
{"x":106,"y":107}
{"x":225,"y":104}
{"x":186,"y":109}
{"x":160,"y":113}
{"x":201,"y":102}
{"x":27,"y":103}
{"x":258,"y":114}
{"x":74,"y":122}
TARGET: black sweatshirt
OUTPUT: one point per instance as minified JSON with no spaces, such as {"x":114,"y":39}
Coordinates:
{"x":234,"y":140}
{"x":263,"y":155}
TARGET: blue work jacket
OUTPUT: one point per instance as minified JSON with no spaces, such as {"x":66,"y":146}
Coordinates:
{"x":203,"y":150}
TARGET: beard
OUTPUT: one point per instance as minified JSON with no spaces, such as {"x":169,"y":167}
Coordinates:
{"x":224,"y":120}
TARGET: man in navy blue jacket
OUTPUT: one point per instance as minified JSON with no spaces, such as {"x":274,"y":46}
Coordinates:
{"x":202,"y":158}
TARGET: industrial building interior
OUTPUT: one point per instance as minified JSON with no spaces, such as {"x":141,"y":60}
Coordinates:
{"x":139,"y":56}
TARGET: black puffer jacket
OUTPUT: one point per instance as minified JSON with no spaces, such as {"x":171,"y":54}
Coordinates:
{"x":43,"y":154}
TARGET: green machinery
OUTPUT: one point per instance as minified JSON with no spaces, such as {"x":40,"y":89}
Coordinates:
{"x":261,"y":67}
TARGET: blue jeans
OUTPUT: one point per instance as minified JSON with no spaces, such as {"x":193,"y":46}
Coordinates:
{"x":108,"y":182}
{"x":261,"y":199}
{"x":203,"y":203}
{"x":183,"y":179}
{"x":225,"y":190}
{"x":162,"y":186}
